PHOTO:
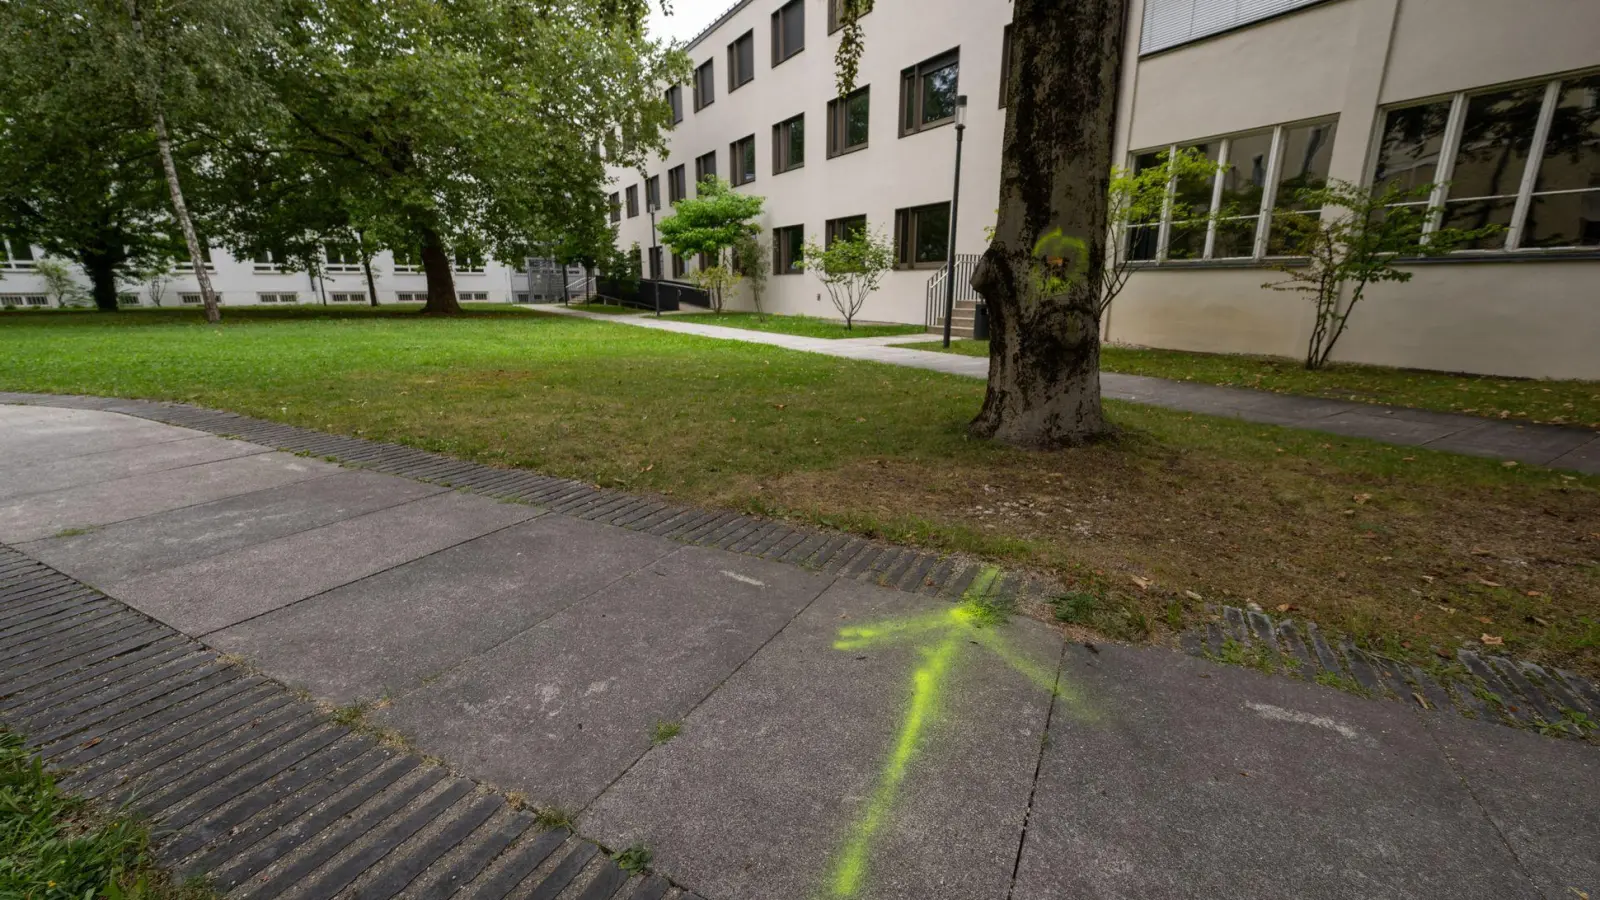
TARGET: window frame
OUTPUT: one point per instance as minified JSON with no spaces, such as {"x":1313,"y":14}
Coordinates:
{"x":1005,"y":65}
{"x":733,"y":60}
{"x":614,"y":201}
{"x":839,"y":122}
{"x":702,"y":170}
{"x":632,"y":195}
{"x":781,"y":263}
{"x":779,"y":30}
{"x":836,"y":17}
{"x":905,"y":237}
{"x":782,"y":135}
{"x":911,"y":92}
{"x":677,"y":184}
{"x":652,"y":193}
{"x":737,"y":176}
{"x":836,"y":228}
{"x":467,"y":262}
{"x":674,"y":97}
{"x":705,"y":84}
{"x":1263,"y":214}
{"x":10,"y":260}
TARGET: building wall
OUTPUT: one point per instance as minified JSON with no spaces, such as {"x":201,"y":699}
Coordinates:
{"x":1523,"y":314}
{"x":889,"y":174}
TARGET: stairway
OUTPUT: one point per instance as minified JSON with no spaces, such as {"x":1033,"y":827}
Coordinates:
{"x":961,"y":320}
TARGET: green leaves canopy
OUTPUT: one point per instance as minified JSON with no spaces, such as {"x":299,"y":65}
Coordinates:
{"x":712,"y":220}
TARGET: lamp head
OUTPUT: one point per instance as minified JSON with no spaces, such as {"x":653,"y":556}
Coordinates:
{"x":961,"y":110}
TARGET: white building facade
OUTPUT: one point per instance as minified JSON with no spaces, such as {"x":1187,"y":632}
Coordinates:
{"x":1498,"y":103}
{"x":244,"y":282}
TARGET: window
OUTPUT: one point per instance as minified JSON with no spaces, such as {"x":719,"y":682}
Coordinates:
{"x":410,"y":297}
{"x":468,"y":262}
{"x":847,"y":121}
{"x":15,"y":253}
{"x":278,"y":297}
{"x":741,"y":61}
{"x":836,"y":229}
{"x":1168,"y":23}
{"x":127,"y":299}
{"x":1525,"y":158}
{"x":633,"y":200}
{"x":788,"y":30}
{"x":705,"y":85}
{"x":788,"y":249}
{"x":1005,"y":66}
{"x":675,"y":103}
{"x":655,"y":263}
{"x":678,"y":266}
{"x":677,"y":187}
{"x":705,"y":167}
{"x":928,"y":93}
{"x":180,"y":258}
{"x":922,"y":235}
{"x":789,"y":144}
{"x":836,"y":15}
{"x":268,"y":261}
{"x":195,"y":299}
{"x":10,"y":300}
{"x":354,"y":297}
{"x":636,"y":260}
{"x":347,"y":258}
{"x":462,"y":296}
{"x":407,"y":260}
{"x":1229,"y":216}
{"x":615,"y":202}
{"x":742,"y":157}
{"x":652,"y":193}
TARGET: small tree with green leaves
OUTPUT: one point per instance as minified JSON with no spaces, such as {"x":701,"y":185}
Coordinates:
{"x":717,"y":281}
{"x":711,"y":222}
{"x":1347,"y":237}
{"x":60,"y":285}
{"x":1138,"y":198}
{"x":750,"y":260}
{"x":851,"y":268}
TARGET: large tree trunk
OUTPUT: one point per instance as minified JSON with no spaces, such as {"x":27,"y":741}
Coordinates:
{"x":102,"y":272}
{"x":441,"y":284}
{"x":1044,"y":351}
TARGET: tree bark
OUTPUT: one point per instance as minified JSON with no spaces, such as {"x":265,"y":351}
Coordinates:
{"x":170,"y":168}
{"x":441,"y":284}
{"x":102,"y":272}
{"x":1044,"y":350}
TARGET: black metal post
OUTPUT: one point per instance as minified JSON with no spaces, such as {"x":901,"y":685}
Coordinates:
{"x":955,"y":198}
{"x":656,"y":291}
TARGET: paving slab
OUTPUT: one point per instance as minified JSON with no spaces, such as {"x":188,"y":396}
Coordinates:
{"x":1540,"y":793}
{"x":1210,"y":781}
{"x":1526,"y":443}
{"x":23,"y":478}
{"x":563,"y":709}
{"x":385,"y":635}
{"x":1584,"y":458}
{"x":784,"y":781}
{"x":136,"y":547}
{"x":49,"y":433}
{"x":38,"y":516}
{"x":231,"y":587}
{"x":1378,"y":427}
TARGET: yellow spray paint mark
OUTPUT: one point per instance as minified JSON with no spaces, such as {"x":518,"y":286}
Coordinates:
{"x":945,"y":632}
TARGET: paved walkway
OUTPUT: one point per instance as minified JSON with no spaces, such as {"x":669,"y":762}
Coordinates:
{"x":839,"y":738}
{"x":1560,"y":447}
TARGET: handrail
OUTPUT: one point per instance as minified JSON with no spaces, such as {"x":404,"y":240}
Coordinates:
{"x":966,"y":265}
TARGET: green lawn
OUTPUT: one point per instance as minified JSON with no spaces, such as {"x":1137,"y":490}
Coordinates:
{"x":1530,"y":400}
{"x":1403,"y":548}
{"x":805,"y":326}
{"x":53,"y":847}
{"x":606,"y":309}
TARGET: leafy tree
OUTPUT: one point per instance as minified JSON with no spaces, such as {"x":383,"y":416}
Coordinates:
{"x":851,"y":268}
{"x":717,"y":281}
{"x":1359,"y":238}
{"x":712,"y":222}
{"x":1044,"y":349}
{"x":481,"y":125}
{"x":1138,"y":198}
{"x":60,"y":285}
{"x":750,"y":260}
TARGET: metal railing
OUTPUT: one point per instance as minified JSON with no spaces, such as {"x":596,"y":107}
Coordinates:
{"x":966,"y":264}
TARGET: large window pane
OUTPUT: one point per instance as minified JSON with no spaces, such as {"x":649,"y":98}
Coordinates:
{"x":932,"y":234}
{"x":1143,"y":234}
{"x":1244,"y":184}
{"x":1191,"y":205}
{"x":856,"y":110}
{"x":939,"y":94}
{"x":1413,"y":139}
{"x":1307,"y":152}
{"x":1496,"y":137}
{"x":1566,"y":205}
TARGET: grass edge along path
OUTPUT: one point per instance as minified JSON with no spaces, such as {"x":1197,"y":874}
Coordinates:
{"x":1542,"y":401}
{"x":802,"y":326}
{"x":57,"y":846}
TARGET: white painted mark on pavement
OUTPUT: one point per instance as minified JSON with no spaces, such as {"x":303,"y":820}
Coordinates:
{"x":744,"y":578}
{"x":1279,"y":714}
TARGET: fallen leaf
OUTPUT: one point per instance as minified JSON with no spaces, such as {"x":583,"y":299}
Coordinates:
{"x":860,"y":419}
{"x":1361,"y":499}
{"x":1535,"y":594}
{"x":1510,"y":463}
{"x":1428,"y":578}
{"x":1543,"y":623}
{"x":779,"y":405}
{"x":1486,"y":620}
{"x":1285,"y":607}
{"x":1484,"y":581}
{"x":86,"y":745}
{"x":1143,"y":583}
{"x":1479,"y":551}
{"x":1408,"y":459}
{"x":1492,"y":640}
{"x":1449,"y":609}
{"x":1420,"y":700}
{"x":1193,"y":596}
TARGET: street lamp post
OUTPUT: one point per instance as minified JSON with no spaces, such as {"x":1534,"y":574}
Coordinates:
{"x":955,"y":197}
{"x":655,"y":289}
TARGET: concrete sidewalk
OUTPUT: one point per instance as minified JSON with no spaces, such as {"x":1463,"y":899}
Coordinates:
{"x":1561,"y":447}
{"x":838,"y":738}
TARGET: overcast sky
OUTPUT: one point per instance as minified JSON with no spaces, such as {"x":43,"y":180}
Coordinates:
{"x":689,"y":17}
